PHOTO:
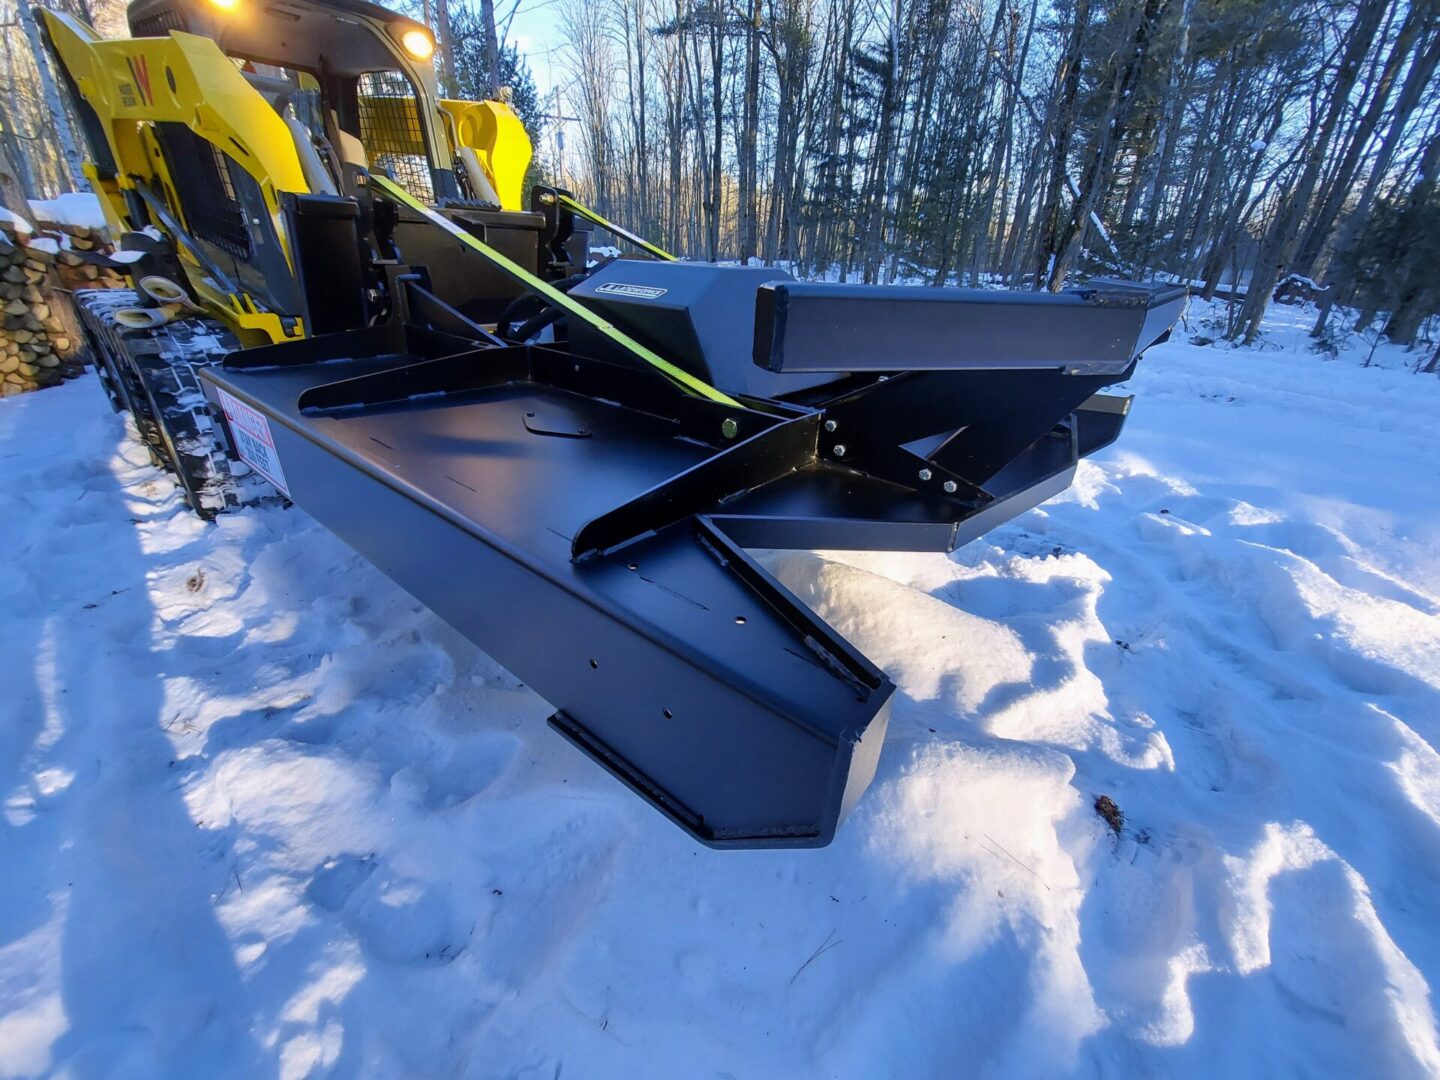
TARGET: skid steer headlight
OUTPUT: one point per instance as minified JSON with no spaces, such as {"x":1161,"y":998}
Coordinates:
{"x":225,"y":5}
{"x":417,"y":44}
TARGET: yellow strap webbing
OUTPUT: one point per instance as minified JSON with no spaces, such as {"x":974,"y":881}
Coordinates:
{"x":624,"y":234}
{"x":679,"y":376}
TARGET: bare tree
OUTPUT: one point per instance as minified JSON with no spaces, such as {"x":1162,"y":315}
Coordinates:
{"x":54,"y":106}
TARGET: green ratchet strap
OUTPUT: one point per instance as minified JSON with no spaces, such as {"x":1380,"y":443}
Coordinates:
{"x":624,"y":234}
{"x":574,"y":308}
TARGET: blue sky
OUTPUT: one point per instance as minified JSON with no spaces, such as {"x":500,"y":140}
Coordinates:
{"x":535,"y":27}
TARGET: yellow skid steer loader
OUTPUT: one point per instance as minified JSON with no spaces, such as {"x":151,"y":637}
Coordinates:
{"x":213,"y":123}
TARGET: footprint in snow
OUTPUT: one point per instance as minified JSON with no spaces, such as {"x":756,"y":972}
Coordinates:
{"x":473,"y":768}
{"x":337,"y":879}
{"x":399,"y":919}
{"x":85,"y":474}
{"x":404,"y":920}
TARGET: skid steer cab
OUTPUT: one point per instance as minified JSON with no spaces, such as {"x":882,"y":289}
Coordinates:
{"x":231,"y":127}
{"x":339,"y":301}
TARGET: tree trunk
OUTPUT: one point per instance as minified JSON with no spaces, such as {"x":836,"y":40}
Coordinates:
{"x":13,"y":194}
{"x":1067,"y":89}
{"x":832,"y":176}
{"x":1172,"y":109}
{"x":1283,"y":237}
{"x":50,"y":91}
{"x":1421,"y":72}
{"x":1434,"y":365}
{"x":492,"y":43}
{"x":445,"y":57}
{"x":717,"y":187}
{"x":1408,"y":309}
{"x":1002,"y":158}
{"x":749,"y":133}
{"x":694,"y":85}
{"x":879,"y":195}
{"x":1359,"y":140}
{"x":1109,"y":129}
{"x":642,"y":151}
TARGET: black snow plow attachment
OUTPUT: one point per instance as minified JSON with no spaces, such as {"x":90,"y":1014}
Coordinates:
{"x":583,"y":516}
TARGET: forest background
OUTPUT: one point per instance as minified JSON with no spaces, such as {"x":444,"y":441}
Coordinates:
{"x":1237,"y":145}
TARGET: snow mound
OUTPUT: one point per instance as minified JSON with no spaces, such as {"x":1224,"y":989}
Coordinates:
{"x":78,"y":209}
{"x":15,"y":221}
{"x":264,"y":814}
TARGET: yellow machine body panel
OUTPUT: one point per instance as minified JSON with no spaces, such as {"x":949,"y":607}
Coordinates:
{"x":216,"y":88}
{"x":500,"y":144}
{"x":132,"y":83}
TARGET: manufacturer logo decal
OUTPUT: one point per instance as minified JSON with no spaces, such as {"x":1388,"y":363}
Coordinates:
{"x":636,"y":292}
{"x":140,"y":70}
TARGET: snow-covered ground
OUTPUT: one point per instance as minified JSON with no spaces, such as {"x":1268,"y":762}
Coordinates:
{"x":265,"y":815}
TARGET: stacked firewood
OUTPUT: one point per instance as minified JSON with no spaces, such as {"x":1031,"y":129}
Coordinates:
{"x":40,"y":339}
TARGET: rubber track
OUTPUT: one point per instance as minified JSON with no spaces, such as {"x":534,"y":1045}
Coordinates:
{"x":151,"y":374}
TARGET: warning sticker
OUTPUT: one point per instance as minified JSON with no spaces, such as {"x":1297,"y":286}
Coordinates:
{"x":253,"y":441}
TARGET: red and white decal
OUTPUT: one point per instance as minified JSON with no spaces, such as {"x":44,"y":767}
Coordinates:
{"x":253,"y":441}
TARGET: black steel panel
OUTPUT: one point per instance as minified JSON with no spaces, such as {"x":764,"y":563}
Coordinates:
{"x":986,"y":418}
{"x":467,"y":284}
{"x":325,"y":247}
{"x":821,"y":327}
{"x":697,"y":315}
{"x":704,"y":692}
